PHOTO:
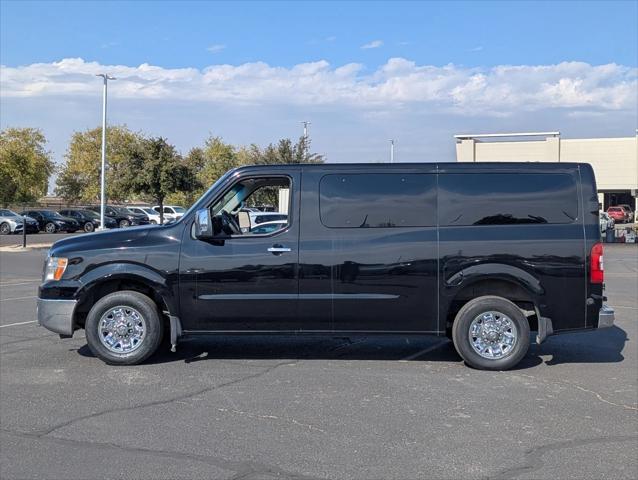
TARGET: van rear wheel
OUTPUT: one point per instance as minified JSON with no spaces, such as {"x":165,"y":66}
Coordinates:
{"x":123,"y":328}
{"x":491,"y":333}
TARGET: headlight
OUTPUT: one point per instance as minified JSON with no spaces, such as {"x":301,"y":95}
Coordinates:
{"x":55,"y":268}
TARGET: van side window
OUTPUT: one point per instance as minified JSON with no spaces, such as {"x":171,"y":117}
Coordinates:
{"x":506,"y":199}
{"x":257,"y":202}
{"x":378,"y":200}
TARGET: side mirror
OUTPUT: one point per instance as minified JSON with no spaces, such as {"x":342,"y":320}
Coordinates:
{"x":203,"y":224}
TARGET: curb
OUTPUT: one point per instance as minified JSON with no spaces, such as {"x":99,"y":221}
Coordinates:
{"x":19,"y":248}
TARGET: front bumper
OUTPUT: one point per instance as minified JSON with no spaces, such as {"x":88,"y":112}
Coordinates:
{"x":56,"y":315}
{"x":606,"y":317}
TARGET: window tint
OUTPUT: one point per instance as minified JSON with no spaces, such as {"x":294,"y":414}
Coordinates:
{"x":506,"y":199}
{"x":250,"y":193}
{"x":269,"y":228}
{"x":378,"y":200}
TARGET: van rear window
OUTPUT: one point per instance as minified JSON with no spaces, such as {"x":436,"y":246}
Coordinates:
{"x":506,"y":199}
{"x":378,"y":200}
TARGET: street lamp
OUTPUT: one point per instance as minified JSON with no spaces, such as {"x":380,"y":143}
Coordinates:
{"x":305,"y":124}
{"x":106,"y":78}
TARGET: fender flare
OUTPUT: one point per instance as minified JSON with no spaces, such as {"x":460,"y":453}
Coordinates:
{"x":496,"y":271}
{"x":128,"y":271}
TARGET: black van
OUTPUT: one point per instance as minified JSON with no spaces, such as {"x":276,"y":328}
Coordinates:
{"x":483,"y":253}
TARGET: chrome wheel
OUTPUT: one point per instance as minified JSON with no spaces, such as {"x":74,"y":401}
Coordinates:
{"x":493,"y":335}
{"x":5,"y":229}
{"x":49,"y":228}
{"x":122,"y":329}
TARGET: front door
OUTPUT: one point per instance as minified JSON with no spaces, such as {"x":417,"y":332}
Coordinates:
{"x":247,"y":280}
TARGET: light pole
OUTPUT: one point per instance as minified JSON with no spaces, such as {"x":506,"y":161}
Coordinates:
{"x":305,"y":129}
{"x":391,"y":150}
{"x":106,"y":78}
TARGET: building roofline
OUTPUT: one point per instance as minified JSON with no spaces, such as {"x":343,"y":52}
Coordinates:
{"x":497,"y":135}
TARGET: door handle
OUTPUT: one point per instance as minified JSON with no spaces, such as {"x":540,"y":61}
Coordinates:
{"x":276,"y":249}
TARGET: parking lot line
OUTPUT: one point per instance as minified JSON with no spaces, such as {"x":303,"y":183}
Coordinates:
{"x":17,"y":298}
{"x":15,"y":324}
{"x":20,"y":283}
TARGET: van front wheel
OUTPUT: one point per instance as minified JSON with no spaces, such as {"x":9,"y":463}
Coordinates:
{"x":123,"y":328}
{"x":491,"y":333}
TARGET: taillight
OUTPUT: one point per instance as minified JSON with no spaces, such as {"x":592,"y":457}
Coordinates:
{"x":596,"y":271}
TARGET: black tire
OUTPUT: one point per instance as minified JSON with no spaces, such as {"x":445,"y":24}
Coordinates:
{"x":124,"y":223}
{"x":5,"y":229}
{"x":153,"y":222}
{"x":146,"y":308}
{"x":50,"y":227}
{"x":89,"y":227}
{"x":462,"y":338}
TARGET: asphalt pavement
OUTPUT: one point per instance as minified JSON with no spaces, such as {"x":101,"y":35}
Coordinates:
{"x":317,"y":407}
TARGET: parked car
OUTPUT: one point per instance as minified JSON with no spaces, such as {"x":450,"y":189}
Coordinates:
{"x":52,"y":222}
{"x":173,"y":211}
{"x":87,"y":219}
{"x":606,"y":222}
{"x":11,"y":222}
{"x":153,"y":216}
{"x":122,"y":216}
{"x":269,"y":227}
{"x":629,"y":213}
{"x":108,"y":221}
{"x":618,"y":214}
{"x":257,"y":218}
{"x":371,"y":248}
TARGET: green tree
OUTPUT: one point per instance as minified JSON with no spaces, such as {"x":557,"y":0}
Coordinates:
{"x":285,"y":152}
{"x":218,"y":158}
{"x":302,"y":153}
{"x":79,"y":180}
{"x":25,"y":165}
{"x":155,"y":169}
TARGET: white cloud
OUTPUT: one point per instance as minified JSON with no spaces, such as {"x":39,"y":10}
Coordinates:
{"x":109,"y":44}
{"x":372,"y":44}
{"x":218,"y":47}
{"x":478,"y":48}
{"x":397,"y":84}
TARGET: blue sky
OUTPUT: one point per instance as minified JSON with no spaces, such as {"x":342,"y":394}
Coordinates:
{"x":362,"y":72}
{"x":177,"y":34}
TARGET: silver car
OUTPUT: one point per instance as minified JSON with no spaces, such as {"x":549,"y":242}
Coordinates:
{"x":11,"y":222}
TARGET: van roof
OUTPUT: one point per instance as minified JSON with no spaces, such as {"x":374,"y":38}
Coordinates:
{"x":431,"y":166}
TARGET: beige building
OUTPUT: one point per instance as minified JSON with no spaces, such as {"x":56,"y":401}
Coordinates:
{"x":615,"y":160}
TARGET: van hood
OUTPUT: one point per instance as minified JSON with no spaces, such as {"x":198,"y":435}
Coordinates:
{"x":109,"y":239}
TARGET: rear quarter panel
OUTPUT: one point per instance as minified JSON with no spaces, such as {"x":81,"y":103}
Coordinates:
{"x":551,"y":258}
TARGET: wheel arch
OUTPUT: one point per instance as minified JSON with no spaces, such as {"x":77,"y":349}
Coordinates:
{"x":517,"y":289}
{"x":103,"y":281}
